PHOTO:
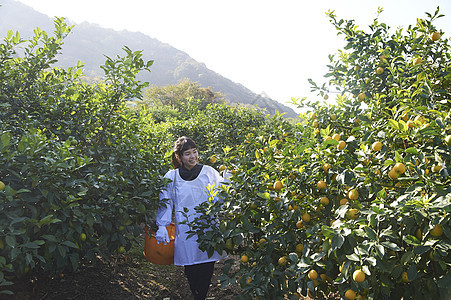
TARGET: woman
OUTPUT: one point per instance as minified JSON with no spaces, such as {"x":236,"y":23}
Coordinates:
{"x":187,"y":189}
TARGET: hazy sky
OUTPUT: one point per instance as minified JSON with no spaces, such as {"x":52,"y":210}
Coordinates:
{"x":268,"y":46}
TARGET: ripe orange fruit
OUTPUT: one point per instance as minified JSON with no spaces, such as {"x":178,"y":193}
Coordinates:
{"x":213,"y":159}
{"x":393,"y":174}
{"x":405,"y":117}
{"x":282,"y":261}
{"x":399,"y":168}
{"x":299,"y":248}
{"x":379,"y":71}
{"x":278,"y":185}
{"x":377,"y":146}
{"x":353,"y":194}
{"x":437,"y":230}
{"x":358,"y":276}
{"x":244,"y":258}
{"x":299,"y":224}
{"x":315,"y":124}
{"x":341,"y":145}
{"x":350,"y":294}
{"x":336,"y":137}
{"x":312,"y":275}
{"x":343,"y":201}
{"x":435,"y":36}
{"x":404,"y":277}
{"x":222,"y":168}
{"x":305,"y":217}
{"x":436,"y":168}
{"x":418,"y":234}
{"x":352,"y":213}
{"x":321,"y":185}
{"x":417,"y":61}
{"x":361,"y":96}
{"x":326,"y":167}
{"x":324,"y":201}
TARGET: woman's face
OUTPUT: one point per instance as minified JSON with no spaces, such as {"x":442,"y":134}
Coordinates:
{"x":190,"y":158}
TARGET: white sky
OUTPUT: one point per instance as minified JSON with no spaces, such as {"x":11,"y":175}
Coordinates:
{"x":268,"y":46}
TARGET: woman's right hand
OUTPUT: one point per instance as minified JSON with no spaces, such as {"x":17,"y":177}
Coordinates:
{"x":162,"y":235}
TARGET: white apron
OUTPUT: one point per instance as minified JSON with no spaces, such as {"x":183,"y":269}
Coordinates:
{"x":187,"y":194}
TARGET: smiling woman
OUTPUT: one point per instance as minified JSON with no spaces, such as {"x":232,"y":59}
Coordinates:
{"x":187,"y":190}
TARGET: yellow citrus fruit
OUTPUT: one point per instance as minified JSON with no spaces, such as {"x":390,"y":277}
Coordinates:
{"x":410,"y":124}
{"x":437,"y":230}
{"x":418,"y":234}
{"x":358,"y":276}
{"x":435,"y":36}
{"x":321,"y":185}
{"x":404,"y":277}
{"x":249,"y":280}
{"x":299,"y":248}
{"x":315,"y":124}
{"x":83,"y":237}
{"x":361,"y":96}
{"x":377,"y":146}
{"x":382,"y":57}
{"x":312,"y":275}
{"x":352,"y":213}
{"x":299,"y":224}
{"x":326,"y":167}
{"x":353,"y":194}
{"x":336,"y":137}
{"x":417,"y":61}
{"x":436,"y":168}
{"x":343,"y":201}
{"x":2,"y":186}
{"x":341,"y":145}
{"x":213,"y":159}
{"x":282,"y":261}
{"x":379,"y":71}
{"x":405,"y":117}
{"x":327,"y":138}
{"x":399,"y":168}
{"x":356,"y":68}
{"x":261,"y":241}
{"x":317,"y":131}
{"x":278,"y":185}
{"x":324,"y":201}
{"x":121,"y":250}
{"x":305,"y":217}
{"x":350,"y":294}
{"x":244,"y":258}
{"x":333,"y":117}
{"x":393,"y":174}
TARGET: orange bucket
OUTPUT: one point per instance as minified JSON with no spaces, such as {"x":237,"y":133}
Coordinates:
{"x":159,"y":254}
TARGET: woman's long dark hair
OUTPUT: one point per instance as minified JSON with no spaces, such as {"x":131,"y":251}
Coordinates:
{"x":182,"y":144}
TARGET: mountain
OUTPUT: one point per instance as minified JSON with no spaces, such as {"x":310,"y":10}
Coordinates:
{"x":89,"y":43}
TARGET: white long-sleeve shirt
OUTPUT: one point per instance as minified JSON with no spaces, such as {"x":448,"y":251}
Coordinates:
{"x":180,"y":194}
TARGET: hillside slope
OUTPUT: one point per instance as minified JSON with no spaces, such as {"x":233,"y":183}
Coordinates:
{"x":89,"y":43}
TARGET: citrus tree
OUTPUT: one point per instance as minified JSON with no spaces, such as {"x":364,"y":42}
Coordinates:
{"x":79,"y":171}
{"x":355,"y":199}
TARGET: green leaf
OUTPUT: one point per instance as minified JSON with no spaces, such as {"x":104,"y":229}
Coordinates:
{"x":421,"y":249}
{"x":370,"y":233}
{"x":10,"y":241}
{"x":412,"y":150}
{"x":393,"y":124}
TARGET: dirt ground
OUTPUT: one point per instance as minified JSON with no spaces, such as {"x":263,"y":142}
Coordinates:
{"x":130,"y":277}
